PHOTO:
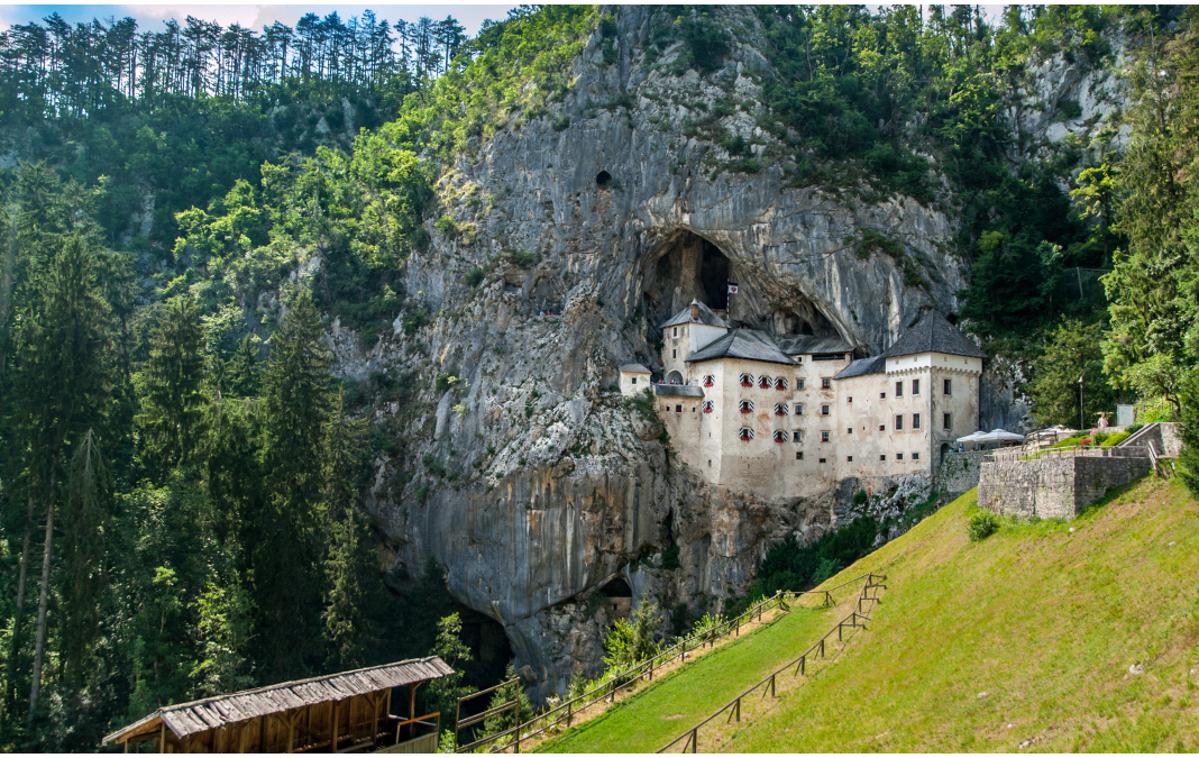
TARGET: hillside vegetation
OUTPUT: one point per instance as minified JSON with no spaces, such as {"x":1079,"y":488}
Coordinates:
{"x":1080,"y":636}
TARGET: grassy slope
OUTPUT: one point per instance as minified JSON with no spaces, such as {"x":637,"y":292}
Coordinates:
{"x":657,"y":715}
{"x":1046,"y":622}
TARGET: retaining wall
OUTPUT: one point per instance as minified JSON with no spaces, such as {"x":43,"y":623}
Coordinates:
{"x":1059,"y":487}
{"x":959,"y":471}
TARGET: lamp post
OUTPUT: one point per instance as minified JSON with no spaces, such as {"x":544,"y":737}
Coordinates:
{"x":1081,"y":416}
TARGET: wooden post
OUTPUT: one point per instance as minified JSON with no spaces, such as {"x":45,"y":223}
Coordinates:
{"x":162,"y":738}
{"x":840,"y":625}
{"x":570,"y":705}
{"x":772,"y":690}
{"x":737,"y":710}
{"x":695,"y":740}
{"x":291,"y":734}
{"x":803,"y":665}
{"x":336,"y":726}
{"x":374,"y":698}
{"x":821,"y":647}
{"x":412,"y":701}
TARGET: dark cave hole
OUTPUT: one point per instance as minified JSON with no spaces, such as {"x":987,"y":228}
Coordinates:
{"x":617,"y":587}
{"x":683,"y":268}
{"x":603,"y":179}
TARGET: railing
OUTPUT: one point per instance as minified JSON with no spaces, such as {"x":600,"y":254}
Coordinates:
{"x":797,"y":666}
{"x":1021,"y":453}
{"x":566,"y":711}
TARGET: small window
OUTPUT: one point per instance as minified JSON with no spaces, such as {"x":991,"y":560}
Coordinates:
{"x":799,"y":359}
{"x":709,"y":406}
{"x":824,"y":410}
{"x":824,"y":436}
{"x":780,"y":436}
{"x":948,"y":387}
{"x":781,"y":409}
{"x":882,"y":457}
{"x":799,"y":409}
{"x":899,"y":423}
{"x":947,"y":421}
{"x":882,"y":427}
{"x":674,"y":353}
{"x":826,"y":383}
{"x":709,"y":380}
{"x":675,"y":332}
{"x":799,"y":383}
{"x":764,"y":382}
{"x":915,"y":456}
{"x":899,"y":389}
{"x":678,"y":409}
{"x":849,"y":458}
{"x":746,"y":434}
{"x":850,"y":400}
{"x":882,"y":396}
{"x":780,"y":383}
{"x":915,"y":386}
{"x":899,"y":456}
{"x":849,"y":430}
{"x":797,"y":435}
{"x":799,"y":455}
{"x":746,"y":406}
{"x":747,"y":380}
{"x":633,"y":380}
{"x":822,"y":460}
{"x":915,"y":420}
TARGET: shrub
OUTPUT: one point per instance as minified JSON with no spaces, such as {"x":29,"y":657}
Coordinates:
{"x":982,"y":525}
{"x":474,"y":277}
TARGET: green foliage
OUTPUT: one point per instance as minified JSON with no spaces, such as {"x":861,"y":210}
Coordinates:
{"x":511,"y":691}
{"x":444,"y":692}
{"x":1073,"y":351}
{"x":632,"y":640}
{"x":706,"y":40}
{"x":1188,"y":459}
{"x":791,"y":566}
{"x":982,"y":525}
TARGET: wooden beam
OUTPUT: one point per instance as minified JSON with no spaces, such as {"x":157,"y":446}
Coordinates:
{"x":291,"y":735}
{"x":162,"y":738}
{"x":411,"y":701}
{"x":336,"y":708}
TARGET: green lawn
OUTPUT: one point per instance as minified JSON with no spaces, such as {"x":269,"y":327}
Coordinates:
{"x":1022,"y":641}
{"x":653,"y":717}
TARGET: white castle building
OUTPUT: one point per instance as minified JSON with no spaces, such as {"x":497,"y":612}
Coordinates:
{"x":778,"y":417}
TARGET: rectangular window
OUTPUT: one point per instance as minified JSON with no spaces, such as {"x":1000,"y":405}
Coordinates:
{"x":882,"y":457}
{"x":824,"y":436}
{"x":674,"y":353}
{"x":849,"y":430}
{"x":797,"y":435}
{"x":799,"y":455}
{"x":678,"y":409}
{"x":947,"y":421}
{"x":915,"y":420}
{"x":849,"y":458}
{"x":899,"y":423}
{"x":882,"y":427}
{"x":826,"y":383}
{"x":799,"y":384}
{"x":850,"y":400}
{"x":882,"y":396}
{"x":899,"y":456}
{"x":899,"y":389}
{"x":822,"y":460}
{"x":634,"y":380}
{"x":824,"y":410}
{"x":799,"y":409}
{"x":915,"y":386}
{"x":948,"y":386}
{"x":676,"y":332}
{"x":915,"y":456}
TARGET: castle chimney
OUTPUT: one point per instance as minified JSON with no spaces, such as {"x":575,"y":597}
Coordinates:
{"x":694,"y":311}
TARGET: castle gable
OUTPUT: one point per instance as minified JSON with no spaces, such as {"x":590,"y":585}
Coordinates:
{"x":933,"y":334}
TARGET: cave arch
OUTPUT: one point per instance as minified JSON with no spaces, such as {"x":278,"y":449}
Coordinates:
{"x":681,"y":268}
{"x":603,"y":179}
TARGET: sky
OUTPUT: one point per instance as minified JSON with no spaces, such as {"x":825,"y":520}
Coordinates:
{"x":471,"y":16}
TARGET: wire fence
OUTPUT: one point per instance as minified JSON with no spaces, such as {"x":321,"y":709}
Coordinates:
{"x":565,"y":712}
{"x":797,"y":666}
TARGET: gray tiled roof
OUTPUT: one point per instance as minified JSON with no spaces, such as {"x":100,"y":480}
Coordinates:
{"x":875,"y":364}
{"x":678,"y":390}
{"x":706,"y":316}
{"x":807,"y":344}
{"x":933,"y":334}
{"x":634,"y":368}
{"x":749,"y":344}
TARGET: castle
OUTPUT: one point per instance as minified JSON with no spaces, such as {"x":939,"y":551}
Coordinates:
{"x":777,"y":417}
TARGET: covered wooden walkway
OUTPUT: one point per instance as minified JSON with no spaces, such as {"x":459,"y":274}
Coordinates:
{"x":345,"y":712}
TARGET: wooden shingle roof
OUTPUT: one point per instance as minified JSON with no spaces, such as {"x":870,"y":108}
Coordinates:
{"x":222,"y":710}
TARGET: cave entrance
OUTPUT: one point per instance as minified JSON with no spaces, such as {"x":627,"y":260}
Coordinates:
{"x":489,"y":645}
{"x":619,"y":597}
{"x":683,"y":268}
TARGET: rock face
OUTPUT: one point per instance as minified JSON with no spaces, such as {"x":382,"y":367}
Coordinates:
{"x":528,"y":479}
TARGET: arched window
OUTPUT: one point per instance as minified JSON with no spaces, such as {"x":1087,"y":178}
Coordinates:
{"x":709,"y":380}
{"x":781,"y":409}
{"x":709,"y":406}
{"x":747,"y":380}
{"x":746,"y":434}
{"x":764,"y":382}
{"x":780,"y":383}
{"x":746,"y":406}
{"x":780,"y":436}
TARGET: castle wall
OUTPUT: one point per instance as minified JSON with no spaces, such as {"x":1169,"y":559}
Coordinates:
{"x":1058,"y":487}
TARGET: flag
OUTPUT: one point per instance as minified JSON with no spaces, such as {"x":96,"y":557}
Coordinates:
{"x":732,"y":288}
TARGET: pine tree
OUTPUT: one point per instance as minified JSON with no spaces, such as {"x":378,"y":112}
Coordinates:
{"x":448,"y":645}
{"x":169,"y":388}
{"x":286,"y":554}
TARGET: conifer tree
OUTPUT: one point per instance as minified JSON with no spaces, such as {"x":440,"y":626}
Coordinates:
{"x":169,"y":388}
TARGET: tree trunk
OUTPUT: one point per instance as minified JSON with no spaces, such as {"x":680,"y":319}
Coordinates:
{"x":19,"y":612}
{"x":43,"y":601}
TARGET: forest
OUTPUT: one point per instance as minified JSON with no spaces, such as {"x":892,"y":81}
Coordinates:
{"x":183,"y":481}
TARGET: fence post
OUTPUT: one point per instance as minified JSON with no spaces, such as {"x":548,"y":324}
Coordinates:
{"x":695,"y":740}
{"x":821,"y":647}
{"x":803,"y":665}
{"x":570,"y":706}
{"x":651,"y":669}
{"x":737,"y":629}
{"x":737,"y":710}
{"x":840,"y":625}
{"x":772,"y":690}
{"x":517,"y":750}
{"x":828,"y":599}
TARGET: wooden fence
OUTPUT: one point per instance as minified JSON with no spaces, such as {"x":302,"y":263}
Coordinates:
{"x":565,"y":712}
{"x":796,"y":666}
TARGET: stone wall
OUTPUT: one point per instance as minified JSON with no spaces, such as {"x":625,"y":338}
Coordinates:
{"x":959,"y":471}
{"x":1059,"y":487}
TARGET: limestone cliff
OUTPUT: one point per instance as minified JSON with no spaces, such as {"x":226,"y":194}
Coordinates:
{"x":525,"y":476}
